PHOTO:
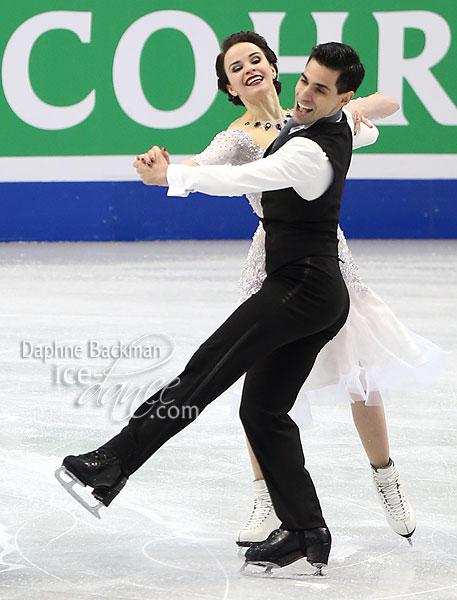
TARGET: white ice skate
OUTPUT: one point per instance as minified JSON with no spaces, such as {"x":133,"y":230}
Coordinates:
{"x":263,"y":519}
{"x":398,"y":511}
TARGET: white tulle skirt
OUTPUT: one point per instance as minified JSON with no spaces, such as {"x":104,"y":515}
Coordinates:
{"x":372,"y":355}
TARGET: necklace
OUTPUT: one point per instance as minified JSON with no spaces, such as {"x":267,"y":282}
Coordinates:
{"x":268,"y":124}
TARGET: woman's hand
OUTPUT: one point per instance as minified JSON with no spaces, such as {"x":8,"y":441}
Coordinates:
{"x":148,"y":157}
{"x":152,"y":166}
{"x":357,"y":117}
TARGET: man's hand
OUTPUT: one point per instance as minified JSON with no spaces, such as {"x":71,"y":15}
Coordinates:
{"x":152,"y":166}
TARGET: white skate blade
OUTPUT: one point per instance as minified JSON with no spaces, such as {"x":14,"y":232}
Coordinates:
{"x":258,"y":569}
{"x":69,"y":484}
{"x":296,"y":570}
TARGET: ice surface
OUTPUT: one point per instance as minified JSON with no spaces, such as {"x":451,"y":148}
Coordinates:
{"x":170,"y":533}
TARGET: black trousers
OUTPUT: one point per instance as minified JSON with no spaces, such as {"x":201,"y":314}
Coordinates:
{"x":273,"y":337}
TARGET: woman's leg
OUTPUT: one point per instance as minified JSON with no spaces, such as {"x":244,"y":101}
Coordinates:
{"x":269,"y":392}
{"x":254,"y":463}
{"x":370,"y":422}
{"x":263,"y":519}
{"x":371,"y":425}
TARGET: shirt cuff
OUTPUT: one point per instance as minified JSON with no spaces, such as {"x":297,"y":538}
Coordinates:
{"x":175,"y":180}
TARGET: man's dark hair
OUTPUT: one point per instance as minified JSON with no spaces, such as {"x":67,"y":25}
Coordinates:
{"x":236,"y":38}
{"x":342,"y":58}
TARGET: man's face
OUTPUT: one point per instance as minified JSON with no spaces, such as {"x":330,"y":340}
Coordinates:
{"x":316,"y":95}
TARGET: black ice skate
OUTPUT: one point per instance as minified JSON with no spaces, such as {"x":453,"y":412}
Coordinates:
{"x":100,"y":470}
{"x":283,"y":547}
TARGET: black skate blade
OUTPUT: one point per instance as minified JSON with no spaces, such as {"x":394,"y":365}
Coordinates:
{"x":68,"y":483}
{"x":299,"y":570}
{"x":247,"y":544}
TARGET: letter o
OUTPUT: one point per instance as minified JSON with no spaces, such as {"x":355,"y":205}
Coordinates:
{"x":126,"y":69}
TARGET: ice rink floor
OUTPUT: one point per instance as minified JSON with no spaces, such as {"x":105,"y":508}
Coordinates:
{"x":170,"y":534}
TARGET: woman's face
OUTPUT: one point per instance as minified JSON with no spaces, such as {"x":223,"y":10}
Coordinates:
{"x":249,"y":73}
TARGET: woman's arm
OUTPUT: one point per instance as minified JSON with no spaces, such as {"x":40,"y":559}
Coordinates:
{"x":227,"y":147}
{"x":376,"y":106}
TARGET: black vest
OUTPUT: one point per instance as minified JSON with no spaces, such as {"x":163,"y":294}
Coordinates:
{"x":295,"y":227}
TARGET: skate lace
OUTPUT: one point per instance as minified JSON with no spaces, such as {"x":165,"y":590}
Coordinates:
{"x":392,"y":497}
{"x":260,"y":513}
{"x":96,"y":456}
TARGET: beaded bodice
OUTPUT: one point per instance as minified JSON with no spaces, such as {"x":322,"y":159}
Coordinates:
{"x":233,"y":147}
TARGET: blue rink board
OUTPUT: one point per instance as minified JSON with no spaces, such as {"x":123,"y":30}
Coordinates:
{"x":128,"y":211}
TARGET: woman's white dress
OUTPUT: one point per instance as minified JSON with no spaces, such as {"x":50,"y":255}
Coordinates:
{"x":374,"y":352}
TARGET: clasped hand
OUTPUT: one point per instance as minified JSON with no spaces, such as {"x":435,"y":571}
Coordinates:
{"x":152,"y":166}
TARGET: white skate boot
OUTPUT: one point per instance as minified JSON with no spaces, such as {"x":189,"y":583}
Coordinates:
{"x":397,"y":509}
{"x":263,"y":519}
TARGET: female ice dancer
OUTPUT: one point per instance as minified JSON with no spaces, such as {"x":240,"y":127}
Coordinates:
{"x":374,"y":352}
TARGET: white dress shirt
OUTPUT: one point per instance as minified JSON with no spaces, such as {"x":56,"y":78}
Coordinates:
{"x":300,"y":163}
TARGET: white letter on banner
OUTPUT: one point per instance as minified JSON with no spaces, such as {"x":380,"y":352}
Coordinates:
{"x":393,"y":67}
{"x":15,"y":71}
{"x":126,"y":69}
{"x":329,"y":28}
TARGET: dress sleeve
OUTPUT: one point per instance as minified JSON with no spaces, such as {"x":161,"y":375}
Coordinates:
{"x":226,"y":148}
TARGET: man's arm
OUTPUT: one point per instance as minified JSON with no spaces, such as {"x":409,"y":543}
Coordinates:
{"x":300,"y":163}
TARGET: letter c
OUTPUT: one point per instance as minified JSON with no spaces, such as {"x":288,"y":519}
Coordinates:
{"x":15,"y":71}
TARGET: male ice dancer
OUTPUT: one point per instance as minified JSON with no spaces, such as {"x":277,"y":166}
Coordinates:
{"x":275,"y":336}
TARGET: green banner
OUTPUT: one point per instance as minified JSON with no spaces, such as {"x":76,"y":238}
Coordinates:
{"x":111,"y":78}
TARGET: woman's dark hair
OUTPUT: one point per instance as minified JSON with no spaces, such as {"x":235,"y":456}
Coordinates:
{"x":236,"y":38}
{"x":344,"y":59}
